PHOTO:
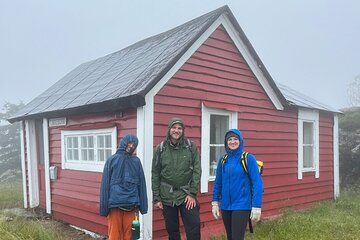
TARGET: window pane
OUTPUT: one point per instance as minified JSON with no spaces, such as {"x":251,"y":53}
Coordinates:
{"x":107,"y":153}
{"x":108,"y":141}
{"x":91,"y":155}
{"x":76,"y":154}
{"x":69,"y":154}
{"x":100,"y":154}
{"x":90,"y":142}
{"x":84,"y":155}
{"x":71,"y":148}
{"x":215,"y":154}
{"x":84,"y":142}
{"x":69,"y":142}
{"x":308,"y":132}
{"x":219,"y":124}
{"x":100,"y":141}
{"x":308,"y":157}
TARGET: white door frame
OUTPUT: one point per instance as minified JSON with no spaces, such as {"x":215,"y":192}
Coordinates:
{"x":31,"y":156}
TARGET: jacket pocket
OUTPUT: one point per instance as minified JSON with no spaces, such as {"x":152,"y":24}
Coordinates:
{"x":125,"y":191}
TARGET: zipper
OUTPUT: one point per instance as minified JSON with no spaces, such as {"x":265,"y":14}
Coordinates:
{"x":229,"y":173}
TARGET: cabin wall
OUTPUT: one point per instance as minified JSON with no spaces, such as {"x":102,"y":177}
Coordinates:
{"x":75,"y":194}
{"x":218,"y":77}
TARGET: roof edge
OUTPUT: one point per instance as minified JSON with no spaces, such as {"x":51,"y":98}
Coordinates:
{"x":120,"y":104}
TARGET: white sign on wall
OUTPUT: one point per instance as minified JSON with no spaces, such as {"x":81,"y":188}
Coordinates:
{"x":55,"y":122}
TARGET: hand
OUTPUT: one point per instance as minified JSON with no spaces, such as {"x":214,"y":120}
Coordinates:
{"x":190,"y":202}
{"x":215,"y":210}
{"x":159,"y":205}
{"x":255,"y":214}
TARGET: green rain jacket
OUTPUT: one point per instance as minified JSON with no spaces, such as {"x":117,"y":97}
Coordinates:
{"x":177,"y":172}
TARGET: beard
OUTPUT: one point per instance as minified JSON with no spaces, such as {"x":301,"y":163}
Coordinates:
{"x":130,"y":150}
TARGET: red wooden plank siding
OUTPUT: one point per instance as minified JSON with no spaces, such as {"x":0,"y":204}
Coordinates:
{"x":217,"y":74}
{"x":75,"y":194}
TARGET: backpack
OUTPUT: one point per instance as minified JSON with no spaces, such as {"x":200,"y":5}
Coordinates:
{"x":243,"y":162}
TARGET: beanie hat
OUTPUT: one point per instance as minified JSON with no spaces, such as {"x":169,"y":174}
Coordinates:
{"x":231,"y":134}
{"x":174,"y":121}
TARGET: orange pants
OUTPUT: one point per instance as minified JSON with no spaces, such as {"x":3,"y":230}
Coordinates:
{"x":119,"y":224}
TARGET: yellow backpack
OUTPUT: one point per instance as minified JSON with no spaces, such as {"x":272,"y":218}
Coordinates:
{"x":243,"y":161}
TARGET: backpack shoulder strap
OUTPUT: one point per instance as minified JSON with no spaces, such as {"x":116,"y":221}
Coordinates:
{"x":189,"y":144}
{"x":223,"y":160}
{"x":243,"y":161}
{"x":160,"y":149}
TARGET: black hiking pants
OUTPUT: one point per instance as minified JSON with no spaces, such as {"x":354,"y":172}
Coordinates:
{"x":190,"y":218}
{"x":235,"y":223}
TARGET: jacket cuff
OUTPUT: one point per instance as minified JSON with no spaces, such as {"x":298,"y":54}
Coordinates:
{"x":192,"y":194}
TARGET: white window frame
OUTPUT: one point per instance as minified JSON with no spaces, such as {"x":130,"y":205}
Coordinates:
{"x":86,"y":165}
{"x":311,"y":116}
{"x":205,"y":140}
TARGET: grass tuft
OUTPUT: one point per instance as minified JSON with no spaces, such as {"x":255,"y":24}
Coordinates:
{"x":11,"y":195}
{"x":22,"y":228}
{"x":338,"y":219}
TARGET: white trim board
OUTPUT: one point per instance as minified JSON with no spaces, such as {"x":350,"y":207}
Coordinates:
{"x":23,"y":164}
{"x":47,"y":165}
{"x":336,"y":157}
{"x":33,"y":180}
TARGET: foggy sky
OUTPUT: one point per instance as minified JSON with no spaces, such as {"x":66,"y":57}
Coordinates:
{"x":310,"y":45}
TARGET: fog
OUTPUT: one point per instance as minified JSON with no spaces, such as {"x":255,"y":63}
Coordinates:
{"x":310,"y":46}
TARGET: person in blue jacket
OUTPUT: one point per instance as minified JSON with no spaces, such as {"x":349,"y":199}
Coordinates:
{"x":233,"y":193}
{"x":123,"y":189}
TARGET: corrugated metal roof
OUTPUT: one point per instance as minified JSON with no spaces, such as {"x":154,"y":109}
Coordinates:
{"x":296,"y":98}
{"x":120,"y":79}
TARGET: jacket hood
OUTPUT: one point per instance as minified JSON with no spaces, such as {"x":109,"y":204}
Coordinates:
{"x":125,"y":140}
{"x":238,"y":133}
{"x":171,"y":123}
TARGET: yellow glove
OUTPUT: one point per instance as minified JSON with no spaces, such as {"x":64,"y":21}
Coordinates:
{"x":215,"y":210}
{"x":255,"y":214}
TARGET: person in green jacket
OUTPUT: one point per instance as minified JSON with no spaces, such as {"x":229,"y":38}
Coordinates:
{"x":176,"y":172}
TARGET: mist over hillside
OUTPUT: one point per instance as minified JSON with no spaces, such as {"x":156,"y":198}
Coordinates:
{"x":10,"y":153}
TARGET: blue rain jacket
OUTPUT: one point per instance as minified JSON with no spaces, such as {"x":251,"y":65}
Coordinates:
{"x":123,"y":181}
{"x":232,"y":186}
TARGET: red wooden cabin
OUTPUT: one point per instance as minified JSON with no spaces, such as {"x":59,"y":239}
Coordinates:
{"x":204,"y":71}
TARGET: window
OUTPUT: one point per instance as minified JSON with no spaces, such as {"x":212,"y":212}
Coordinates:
{"x":215,"y":123}
{"x":308,"y":142}
{"x":87,"y":150}
{"x":219,"y":124}
{"x":308,"y":145}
